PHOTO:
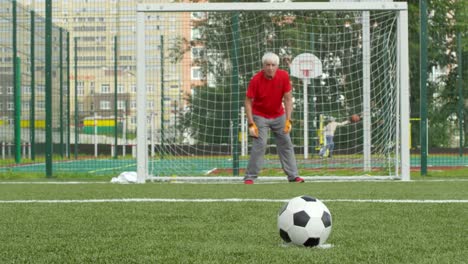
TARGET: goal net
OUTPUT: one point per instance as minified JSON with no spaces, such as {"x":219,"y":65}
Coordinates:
{"x":194,"y":63}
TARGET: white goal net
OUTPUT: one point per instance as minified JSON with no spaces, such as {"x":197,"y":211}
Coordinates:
{"x":194,"y":63}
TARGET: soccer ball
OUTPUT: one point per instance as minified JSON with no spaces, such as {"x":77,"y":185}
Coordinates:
{"x":305,"y":221}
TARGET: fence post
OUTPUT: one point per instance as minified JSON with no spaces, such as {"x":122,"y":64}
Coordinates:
{"x":61,"y":148}
{"x":115,"y":99}
{"x":76,"y":97}
{"x":68,"y":95}
{"x":423,"y":85}
{"x":32,"y":117}
{"x":48,"y":86}
{"x":461,"y":114}
{"x":16,"y":88}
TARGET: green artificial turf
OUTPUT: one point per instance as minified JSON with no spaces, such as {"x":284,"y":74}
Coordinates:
{"x":66,"y":223}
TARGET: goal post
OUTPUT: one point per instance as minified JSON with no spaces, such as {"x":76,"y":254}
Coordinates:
{"x":185,"y":82}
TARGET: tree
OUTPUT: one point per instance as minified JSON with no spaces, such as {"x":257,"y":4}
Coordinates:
{"x":442,"y":91}
{"x":289,"y":36}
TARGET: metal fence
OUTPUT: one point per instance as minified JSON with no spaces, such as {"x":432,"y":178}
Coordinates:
{"x":23,"y":93}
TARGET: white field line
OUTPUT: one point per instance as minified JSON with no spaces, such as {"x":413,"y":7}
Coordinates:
{"x":225,"y":200}
{"x":54,"y":182}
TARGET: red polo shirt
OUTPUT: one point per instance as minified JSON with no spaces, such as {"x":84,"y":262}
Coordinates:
{"x":268,"y":94}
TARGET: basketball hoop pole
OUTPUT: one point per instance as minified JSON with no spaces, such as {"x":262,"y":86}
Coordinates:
{"x":306,"y":119}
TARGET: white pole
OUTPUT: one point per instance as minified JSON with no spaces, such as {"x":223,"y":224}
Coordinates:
{"x":152,"y":134}
{"x":231,"y":125}
{"x":404,"y":99}
{"x":95,"y":136}
{"x":142,"y":147}
{"x":246,"y":137}
{"x":124,"y":135}
{"x":67,"y":153}
{"x":306,"y":119}
{"x":366,"y":61}
{"x":243,"y":130}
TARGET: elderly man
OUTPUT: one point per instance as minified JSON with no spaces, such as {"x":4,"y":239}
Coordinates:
{"x":267,"y":91}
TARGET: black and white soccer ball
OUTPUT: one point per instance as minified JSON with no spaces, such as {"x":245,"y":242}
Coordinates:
{"x":305,"y":221}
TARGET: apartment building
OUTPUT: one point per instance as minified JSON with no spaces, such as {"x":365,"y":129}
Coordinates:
{"x":103,"y":35}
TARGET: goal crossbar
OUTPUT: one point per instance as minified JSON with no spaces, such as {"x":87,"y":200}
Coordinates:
{"x":295,"y":6}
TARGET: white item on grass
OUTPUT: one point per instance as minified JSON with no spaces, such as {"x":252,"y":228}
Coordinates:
{"x":125,"y":177}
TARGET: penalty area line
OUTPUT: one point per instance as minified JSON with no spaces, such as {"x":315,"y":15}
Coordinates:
{"x":225,"y":200}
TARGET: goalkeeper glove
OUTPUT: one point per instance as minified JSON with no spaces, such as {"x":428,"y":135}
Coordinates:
{"x":287,"y":126}
{"x":253,"y":130}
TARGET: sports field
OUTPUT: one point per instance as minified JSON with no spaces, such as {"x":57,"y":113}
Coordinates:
{"x":421,"y":221}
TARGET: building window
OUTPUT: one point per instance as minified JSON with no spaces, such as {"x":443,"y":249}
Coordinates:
{"x":120,"y":88}
{"x":198,"y":52}
{"x":40,"y":105}
{"x":80,"y":90}
{"x":25,"y":106}
{"x":149,"y":88}
{"x":195,"y":34}
{"x":121,"y":105}
{"x":26,"y":89}
{"x":40,"y":89}
{"x":197,"y":73}
{"x":105,"y":88}
{"x":104,"y":105}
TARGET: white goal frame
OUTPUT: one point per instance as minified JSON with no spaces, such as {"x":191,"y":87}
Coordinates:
{"x":403,"y":110}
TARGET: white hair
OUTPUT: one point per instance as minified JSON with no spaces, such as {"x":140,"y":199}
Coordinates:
{"x":270,"y":57}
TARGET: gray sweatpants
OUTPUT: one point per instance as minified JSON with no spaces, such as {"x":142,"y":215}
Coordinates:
{"x":283,"y":144}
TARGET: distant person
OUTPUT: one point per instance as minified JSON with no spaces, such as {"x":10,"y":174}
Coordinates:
{"x":267,"y":91}
{"x":329,"y":132}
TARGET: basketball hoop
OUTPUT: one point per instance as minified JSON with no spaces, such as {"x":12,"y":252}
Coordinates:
{"x":306,"y":66}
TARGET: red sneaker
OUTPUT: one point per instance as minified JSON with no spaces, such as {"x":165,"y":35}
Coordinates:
{"x":297,"y":179}
{"x":248,"y":182}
